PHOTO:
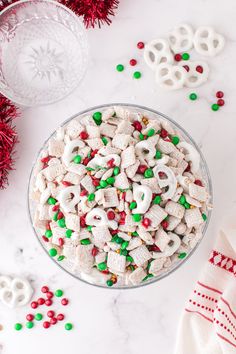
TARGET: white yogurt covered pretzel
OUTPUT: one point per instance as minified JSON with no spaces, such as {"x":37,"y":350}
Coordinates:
{"x":170,"y":77}
{"x":124,"y":211}
{"x":195,"y":78}
{"x":15,"y":292}
{"x":208,"y":42}
{"x":156,"y":52}
{"x":181,"y":38}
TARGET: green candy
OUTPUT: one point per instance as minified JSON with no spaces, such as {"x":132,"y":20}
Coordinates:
{"x":123,"y":253}
{"x":157,"y":199}
{"x":117,"y":239}
{"x":175,"y":140}
{"x":148,"y":277}
{"x":52,"y":252}
{"x":116,"y":171}
{"x":134,"y":233}
{"x":85,"y":241}
{"x":182,"y":200}
{"x":150,"y":132}
{"x":91,"y":197}
{"x":110,"y":180}
{"x":58,"y":293}
{"x":48,"y":233}
{"x":182,"y":255}
{"x":29,"y":324}
{"x":77,"y":159}
{"x":132,"y":205}
{"x":102,"y":266}
{"x":68,"y":326}
{"x":158,"y":155}
{"x":124,"y":245}
{"x":109,"y":282}
{"x":18,"y":326}
{"x":103,"y":184}
{"x":137,"y":75}
{"x":51,"y":201}
{"x":141,"y":136}
{"x":89,"y":228}
{"x":204,"y":217}
{"x":55,"y":216}
{"x":97,"y":116}
{"x":68,"y":233}
{"x":215,"y":107}
{"x":61,"y":222}
{"x":137,"y":217}
{"x":192,"y":96}
{"x":60,"y":258}
{"x":104,"y":140}
{"x":187,"y":205}
{"x":185,"y":56}
{"x":148,"y":173}
{"x":38,"y":317}
{"x":120,"y":67}
{"x":129,"y":259}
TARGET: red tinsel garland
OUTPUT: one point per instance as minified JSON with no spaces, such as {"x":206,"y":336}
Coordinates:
{"x":94,"y":12}
{"x":8,"y":139}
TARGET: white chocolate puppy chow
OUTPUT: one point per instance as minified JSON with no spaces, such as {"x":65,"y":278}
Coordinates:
{"x":119,"y":197}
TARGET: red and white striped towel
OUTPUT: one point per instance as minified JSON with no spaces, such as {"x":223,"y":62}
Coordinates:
{"x":208,"y":324}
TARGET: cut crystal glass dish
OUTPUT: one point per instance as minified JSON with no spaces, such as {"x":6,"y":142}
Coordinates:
{"x":44,"y":52}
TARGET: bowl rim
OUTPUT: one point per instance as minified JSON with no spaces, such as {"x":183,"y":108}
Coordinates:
{"x":54,"y":4}
{"x":209,"y":184}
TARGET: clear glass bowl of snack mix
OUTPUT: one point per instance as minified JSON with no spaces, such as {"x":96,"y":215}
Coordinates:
{"x":50,"y":50}
{"x":120,"y":196}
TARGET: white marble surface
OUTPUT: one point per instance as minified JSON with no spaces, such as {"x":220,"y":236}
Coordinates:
{"x":146,"y":319}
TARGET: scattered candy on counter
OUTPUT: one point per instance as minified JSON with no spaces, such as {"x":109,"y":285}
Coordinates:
{"x":132,"y":206}
{"x":215,"y":106}
{"x":132,"y":62}
{"x":53,"y":318}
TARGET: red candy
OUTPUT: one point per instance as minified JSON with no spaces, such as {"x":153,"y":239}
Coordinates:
{"x":48,"y":227}
{"x":61,"y":241}
{"x":198,"y":182}
{"x":49,"y":294}
{"x":178,"y":57}
{"x":67,"y":184}
{"x":83,"y":193}
{"x":164,"y":224}
{"x":46,"y":324}
{"x":114,"y":232}
{"x":137,"y":125}
{"x":86,"y":161}
{"x":199,"y":69}
{"x":219,"y":94}
{"x":186,"y":67}
{"x":146,"y":222}
{"x":164,"y":133}
{"x":141,"y":169}
{"x":154,"y":248}
{"x":45,"y":289}
{"x":50,"y":314}
{"x":34,"y":304}
{"x":64,"y":301}
{"x":53,"y":321}
{"x":140,"y":45}
{"x":45,"y":159}
{"x":83,"y":135}
{"x":94,"y":152}
{"x":82,"y":221}
{"x":60,"y":215}
{"x":133,"y":62}
{"x":55,"y":207}
{"x":110,"y":163}
{"x":95,"y":182}
{"x":60,"y":317}
{"x":94,"y":251}
{"x":30,"y":317}
{"x":45,"y":239}
{"x":111,"y":215}
{"x":220,"y":102}
{"x":48,"y":302}
{"x":123,"y":214}
{"x":41,"y":301}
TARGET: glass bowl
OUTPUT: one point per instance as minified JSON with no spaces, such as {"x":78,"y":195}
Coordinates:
{"x":50,"y":51}
{"x":182,"y":133}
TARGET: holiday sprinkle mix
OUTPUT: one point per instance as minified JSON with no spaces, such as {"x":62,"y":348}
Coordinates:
{"x":120,"y":197}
